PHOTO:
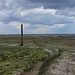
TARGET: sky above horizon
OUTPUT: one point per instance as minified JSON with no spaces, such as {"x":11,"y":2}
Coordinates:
{"x":37,"y":16}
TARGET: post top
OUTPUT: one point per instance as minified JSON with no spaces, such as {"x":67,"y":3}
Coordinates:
{"x":21,"y":24}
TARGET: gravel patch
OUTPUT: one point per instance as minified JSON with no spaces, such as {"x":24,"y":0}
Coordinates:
{"x":64,"y":65}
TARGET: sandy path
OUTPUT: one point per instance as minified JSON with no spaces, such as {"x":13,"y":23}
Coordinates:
{"x":65,"y":65}
{"x":36,"y":69}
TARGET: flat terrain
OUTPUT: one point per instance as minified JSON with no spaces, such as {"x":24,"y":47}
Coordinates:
{"x":15,"y":59}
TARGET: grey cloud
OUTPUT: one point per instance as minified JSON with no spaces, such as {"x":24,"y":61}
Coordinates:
{"x":47,"y":18}
{"x":23,"y":4}
{"x":2,"y":4}
{"x":29,"y":4}
{"x":68,"y":12}
{"x":55,"y":3}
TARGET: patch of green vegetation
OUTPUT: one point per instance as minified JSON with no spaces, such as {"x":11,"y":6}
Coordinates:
{"x":18,"y":59}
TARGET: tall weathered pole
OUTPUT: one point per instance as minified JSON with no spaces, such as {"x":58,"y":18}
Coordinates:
{"x":21,"y":35}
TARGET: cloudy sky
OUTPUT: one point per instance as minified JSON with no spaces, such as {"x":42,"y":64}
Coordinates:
{"x":37,"y":16}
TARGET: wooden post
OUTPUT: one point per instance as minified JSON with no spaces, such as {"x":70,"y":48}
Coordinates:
{"x":21,"y":35}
